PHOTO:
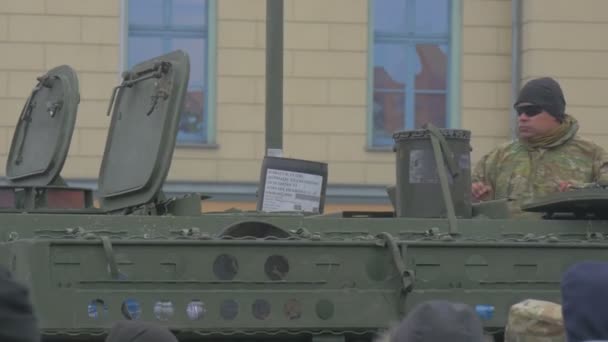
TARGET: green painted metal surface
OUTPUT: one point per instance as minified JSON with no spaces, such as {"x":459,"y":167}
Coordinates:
{"x":145,"y":111}
{"x":299,"y":275}
{"x":44,"y":130}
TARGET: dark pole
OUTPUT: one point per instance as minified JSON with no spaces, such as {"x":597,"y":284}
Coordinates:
{"x":274,"y":77}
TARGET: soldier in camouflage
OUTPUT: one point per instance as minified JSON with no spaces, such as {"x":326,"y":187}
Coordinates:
{"x":548,"y":156}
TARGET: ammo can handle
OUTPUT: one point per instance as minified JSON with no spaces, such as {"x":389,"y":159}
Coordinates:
{"x":446,"y":151}
{"x":443,"y":154}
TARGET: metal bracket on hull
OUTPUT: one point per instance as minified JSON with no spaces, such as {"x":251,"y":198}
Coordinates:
{"x":407,"y":276}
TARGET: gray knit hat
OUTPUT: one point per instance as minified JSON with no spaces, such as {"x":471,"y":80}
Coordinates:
{"x":439,"y":320}
{"x":546,"y":93}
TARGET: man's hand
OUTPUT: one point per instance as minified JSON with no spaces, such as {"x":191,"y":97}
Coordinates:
{"x":481,"y":191}
{"x":564,"y":186}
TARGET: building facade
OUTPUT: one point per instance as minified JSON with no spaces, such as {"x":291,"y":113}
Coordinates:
{"x":355,"y":71}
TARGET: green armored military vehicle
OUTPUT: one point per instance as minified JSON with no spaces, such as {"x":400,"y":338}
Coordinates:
{"x":287,"y":275}
{"x":290,"y":275}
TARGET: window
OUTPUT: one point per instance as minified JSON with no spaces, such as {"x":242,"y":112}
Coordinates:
{"x":411,"y":41}
{"x":156,"y":27}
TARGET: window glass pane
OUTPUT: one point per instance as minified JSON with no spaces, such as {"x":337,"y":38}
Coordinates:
{"x":192,"y":124}
{"x":432,"y":16}
{"x":145,"y":12}
{"x":389,"y":115}
{"x":389,"y":15}
{"x":389,"y":65}
{"x":431,"y":66}
{"x":431,"y":108}
{"x":389,"y":91}
{"x":411,"y":55}
{"x":143,"y":48}
{"x":188,"y":13}
{"x":168,"y":25}
{"x":196,"y":49}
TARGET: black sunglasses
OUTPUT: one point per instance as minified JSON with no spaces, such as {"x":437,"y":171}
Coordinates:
{"x":530,"y":110}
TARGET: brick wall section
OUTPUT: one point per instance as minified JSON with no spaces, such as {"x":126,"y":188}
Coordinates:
{"x":324,"y":90}
{"x":328,"y":43}
{"x":325,"y":69}
{"x":486,"y":73}
{"x":569,"y":43}
{"x":37,"y":35}
{"x":325,"y":64}
{"x":240,"y":106}
{"x":325,"y":82}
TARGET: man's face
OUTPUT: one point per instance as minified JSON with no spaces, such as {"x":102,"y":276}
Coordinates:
{"x":534,"y":121}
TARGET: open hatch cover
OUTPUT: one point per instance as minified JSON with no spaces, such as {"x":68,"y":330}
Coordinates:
{"x":42,"y":137}
{"x":593,"y":200}
{"x":145,"y":110}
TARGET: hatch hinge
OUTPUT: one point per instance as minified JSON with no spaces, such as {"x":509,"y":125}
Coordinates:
{"x":129,"y":79}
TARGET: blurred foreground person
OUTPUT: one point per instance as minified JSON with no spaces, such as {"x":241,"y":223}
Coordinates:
{"x":17,"y":320}
{"x":134,"y":331}
{"x":437,"y":321}
{"x":585,"y":301}
{"x":535,"y":321}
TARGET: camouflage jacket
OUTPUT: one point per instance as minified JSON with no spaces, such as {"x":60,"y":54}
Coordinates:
{"x":521,"y":173}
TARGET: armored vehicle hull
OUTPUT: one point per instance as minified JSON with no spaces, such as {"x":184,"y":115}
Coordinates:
{"x":302,"y":277}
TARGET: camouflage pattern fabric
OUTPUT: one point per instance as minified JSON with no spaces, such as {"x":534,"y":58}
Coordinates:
{"x":535,"y":321}
{"x":522,"y":173}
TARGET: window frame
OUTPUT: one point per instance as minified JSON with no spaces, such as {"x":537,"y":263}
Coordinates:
{"x":453,"y":79}
{"x":210,"y":69}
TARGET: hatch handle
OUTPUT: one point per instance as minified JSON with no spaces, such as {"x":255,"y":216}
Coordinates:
{"x":161,"y":93}
{"x":407,"y":276}
{"x":53,"y":107}
{"x":26,"y":113}
{"x":110,"y":257}
{"x":131,"y":78}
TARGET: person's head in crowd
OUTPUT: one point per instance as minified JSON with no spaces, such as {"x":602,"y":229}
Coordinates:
{"x":17,"y":320}
{"x":534,"y":320}
{"x":585,"y":301}
{"x":135,"y":331}
{"x":437,"y":320}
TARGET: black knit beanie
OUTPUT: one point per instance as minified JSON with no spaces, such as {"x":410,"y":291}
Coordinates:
{"x":17,"y":320}
{"x":546,"y":93}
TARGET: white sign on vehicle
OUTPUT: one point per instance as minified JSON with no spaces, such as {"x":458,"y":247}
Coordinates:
{"x":292,"y":191}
